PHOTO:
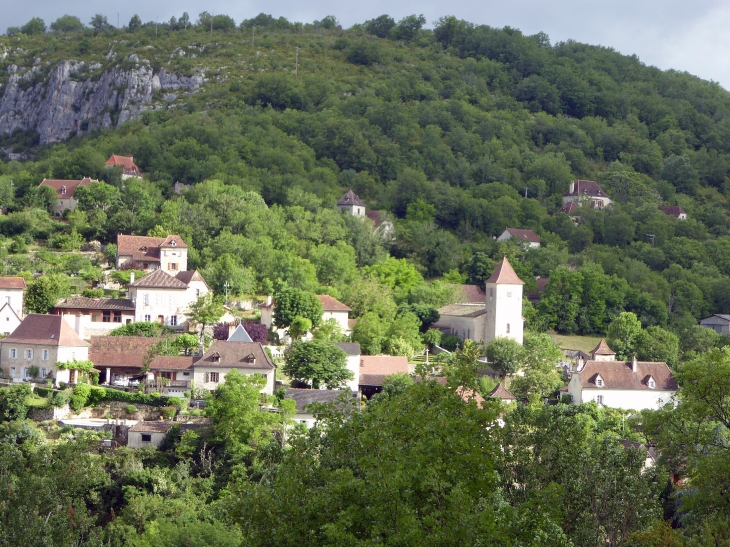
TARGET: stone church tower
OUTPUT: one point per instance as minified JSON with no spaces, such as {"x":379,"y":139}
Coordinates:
{"x":504,"y":305}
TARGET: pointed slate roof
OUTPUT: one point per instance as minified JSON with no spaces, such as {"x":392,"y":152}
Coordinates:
{"x":602,"y":349}
{"x":500,"y":392}
{"x":504,"y":275}
{"x":350,"y":198}
{"x":239,"y":335}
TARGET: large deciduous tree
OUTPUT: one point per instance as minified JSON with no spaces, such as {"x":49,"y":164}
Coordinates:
{"x":292,"y":302}
{"x":318,"y":362}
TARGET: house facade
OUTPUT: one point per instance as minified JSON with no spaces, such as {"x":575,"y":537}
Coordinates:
{"x":588,"y":192}
{"x":629,"y":385}
{"x":331,"y":309}
{"x":467,"y":321}
{"x":171,"y":375}
{"x":169,"y":254}
{"x":222,"y":357}
{"x":11,"y":303}
{"x":160,"y":297}
{"x":352,"y":349}
{"x":148,"y":434}
{"x":504,"y":305}
{"x":129,"y":168}
{"x":375,"y":368}
{"x":120,"y":359}
{"x":305,"y":398}
{"x":528,"y":238}
{"x":718,"y":322}
{"x":65,"y":193}
{"x":41,"y":342}
{"x":95,"y":316}
{"x":352,"y":204}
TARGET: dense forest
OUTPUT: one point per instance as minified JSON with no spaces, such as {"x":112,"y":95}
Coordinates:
{"x":454,"y":134}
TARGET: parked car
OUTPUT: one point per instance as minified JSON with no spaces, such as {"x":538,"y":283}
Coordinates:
{"x":121,"y":382}
{"x":134,"y":383}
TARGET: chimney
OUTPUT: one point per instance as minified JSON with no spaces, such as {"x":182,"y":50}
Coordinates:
{"x":131,"y":277}
{"x":581,"y":363}
{"x":633,"y":364}
{"x":572,"y":187}
{"x":268,"y":300}
{"x":79,"y":326}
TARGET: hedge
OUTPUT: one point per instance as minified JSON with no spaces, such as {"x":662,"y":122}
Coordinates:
{"x":45,"y":391}
{"x":93,"y":395}
{"x":138,"y":398}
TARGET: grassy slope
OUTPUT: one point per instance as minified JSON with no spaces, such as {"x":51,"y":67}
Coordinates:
{"x":582,"y":343}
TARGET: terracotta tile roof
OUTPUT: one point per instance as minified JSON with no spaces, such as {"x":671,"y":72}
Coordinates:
{"x":378,"y":217}
{"x":145,"y":248}
{"x":350,"y":198}
{"x":619,"y":375}
{"x":68,"y":185}
{"x":523,"y":235}
{"x":173,"y":241}
{"x":383,"y":364}
{"x":586,"y":188}
{"x":504,"y":274}
{"x":474,"y":294}
{"x":602,"y":349}
{"x":84,"y":303}
{"x":500,"y":392}
{"x":12,"y":283}
{"x":151,"y":427}
{"x":468,"y":395}
{"x":331,"y":304}
{"x":235,"y":355}
{"x":674,"y":211}
{"x":126,"y":162}
{"x":120,"y":351}
{"x":542,"y":283}
{"x":463,"y":310}
{"x":305,"y":397}
{"x":350,"y":348}
{"x":47,"y":330}
{"x":568,"y":208}
{"x":160,"y":280}
{"x":172,"y":362}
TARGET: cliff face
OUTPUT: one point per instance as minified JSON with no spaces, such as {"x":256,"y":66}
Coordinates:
{"x":65,"y":103}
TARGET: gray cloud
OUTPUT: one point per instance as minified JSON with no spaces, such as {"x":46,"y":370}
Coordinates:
{"x":676,"y":34}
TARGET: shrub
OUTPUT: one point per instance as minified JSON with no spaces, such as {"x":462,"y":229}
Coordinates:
{"x":96,"y":395}
{"x":196,"y":412}
{"x":34,"y":371}
{"x":130,"y":409}
{"x":45,"y":392}
{"x":138,"y":398}
{"x":93,"y":293}
{"x":77,"y":402}
{"x":449,"y":342}
{"x":59,"y":398}
{"x":175,"y":401}
{"x":168,"y":412}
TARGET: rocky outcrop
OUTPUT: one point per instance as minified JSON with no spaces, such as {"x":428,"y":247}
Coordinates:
{"x":65,"y":102}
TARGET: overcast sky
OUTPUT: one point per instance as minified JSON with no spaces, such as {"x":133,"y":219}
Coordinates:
{"x":679,"y":34}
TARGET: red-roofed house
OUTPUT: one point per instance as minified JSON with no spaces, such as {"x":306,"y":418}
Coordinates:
{"x":331,"y":309}
{"x":630,"y":385}
{"x":674,"y":211}
{"x":587,"y":191}
{"x":129,"y":168}
{"x":151,"y":253}
{"x":65,"y":192}
{"x":374,"y":368}
{"x":173,"y":373}
{"x":40,"y":342}
{"x":527,"y":237}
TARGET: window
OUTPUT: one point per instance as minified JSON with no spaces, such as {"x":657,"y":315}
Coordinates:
{"x":44,"y":373}
{"x":172,"y":266}
{"x":186,"y":374}
{"x":197,"y":292}
{"x":146,"y":437}
{"x":44,"y":355}
{"x":148,"y":318}
{"x":599,"y":382}
{"x":652,"y":383}
{"x":173,"y":320}
{"x":211,"y":377}
{"x":117,"y":317}
{"x":13,"y":353}
{"x":507,"y":328}
{"x":509,"y":294}
{"x":63,"y":190}
{"x":147,"y":299}
{"x":599,"y":399}
{"x":28,"y":354}
{"x":106,"y":316}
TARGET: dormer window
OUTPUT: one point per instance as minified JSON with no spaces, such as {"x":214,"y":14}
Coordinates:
{"x":63,"y":190}
{"x":651,"y":383}
{"x":599,"y":381}
{"x":144,"y":248}
{"x":173,"y":243}
{"x":216,"y":357}
{"x":250,"y":358}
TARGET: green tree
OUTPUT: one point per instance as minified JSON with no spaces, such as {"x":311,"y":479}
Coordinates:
{"x":396,"y":274}
{"x":505,"y":355}
{"x":561,"y":301}
{"x":623,"y":335}
{"x":67,"y":23}
{"x":299,"y":327}
{"x":99,"y":23}
{"x":135,"y":23}
{"x":370,"y":332}
{"x":318,"y":363}
{"x":380,"y":26}
{"x":98,"y":196}
{"x":679,"y":171}
{"x":34,"y":26}
{"x":227,"y":270}
{"x":13,"y":405}
{"x":658,"y":344}
{"x":44,"y":292}
{"x":540,"y":360}
{"x":186,"y":343}
{"x":206,"y":310}
{"x":292,"y":302}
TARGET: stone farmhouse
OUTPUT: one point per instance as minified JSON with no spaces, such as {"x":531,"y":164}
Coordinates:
{"x":65,"y":193}
{"x":674,"y":211}
{"x":630,"y":385}
{"x":222,"y":357}
{"x":588,"y":192}
{"x":129,"y":168}
{"x":41,"y":342}
{"x":169,"y":253}
{"x":165,"y":299}
{"x":351,"y":203}
{"x":95,"y":316}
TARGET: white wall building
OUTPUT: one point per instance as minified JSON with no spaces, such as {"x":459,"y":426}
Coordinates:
{"x":222,"y":357}
{"x":151,"y":253}
{"x":629,"y":385}
{"x":162,"y":298}
{"x":352,"y":349}
{"x":331,"y":309}
{"x":588,"y":192}
{"x":304,"y":398}
{"x":527,"y":238}
{"x":148,"y":434}
{"x":504,"y":305}
{"x":65,"y":192}
{"x":11,"y":303}
{"x":352,"y":204}
{"x":41,"y":341}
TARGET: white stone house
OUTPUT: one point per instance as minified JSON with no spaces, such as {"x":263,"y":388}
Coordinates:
{"x":95,"y":316}
{"x":11,"y":303}
{"x":352,"y":204}
{"x":629,"y":385}
{"x":587,"y":191}
{"x":152,"y":253}
{"x":162,"y":298}
{"x":222,"y":357}
{"x":65,"y":192}
{"x":42,"y":341}
{"x":528,"y":238}
{"x":352,"y":349}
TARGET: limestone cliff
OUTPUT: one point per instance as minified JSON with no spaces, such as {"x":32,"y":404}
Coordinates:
{"x":74,"y":98}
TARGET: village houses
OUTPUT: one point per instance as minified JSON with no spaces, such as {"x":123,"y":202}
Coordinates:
{"x":588,"y":192}
{"x":222,"y":357}
{"x":331,"y":309}
{"x":65,"y":193}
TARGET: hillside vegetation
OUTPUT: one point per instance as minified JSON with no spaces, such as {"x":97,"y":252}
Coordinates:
{"x":458,"y":132}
